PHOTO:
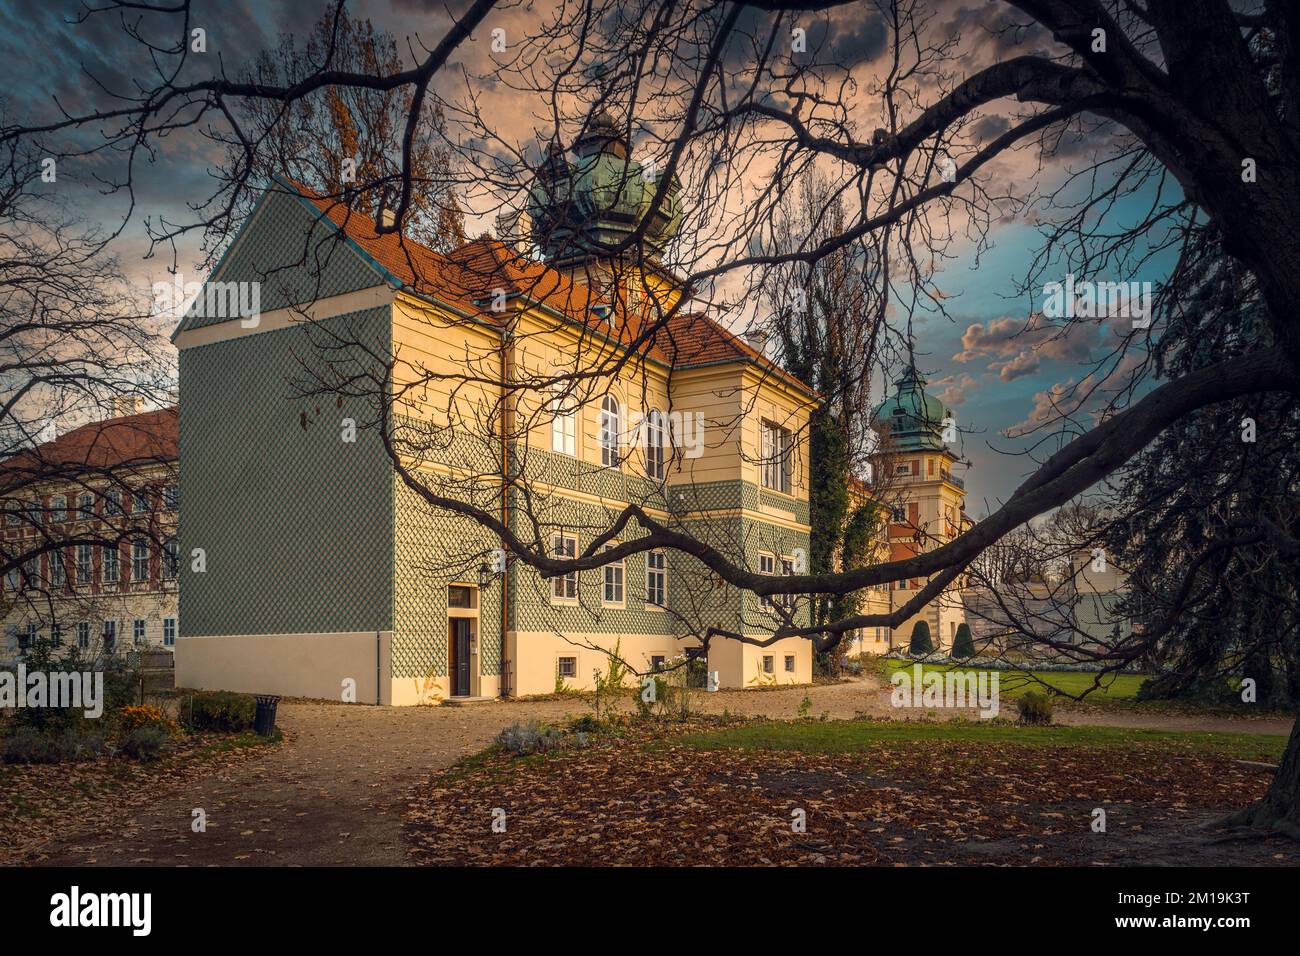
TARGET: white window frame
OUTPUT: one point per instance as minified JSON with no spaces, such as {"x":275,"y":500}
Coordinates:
{"x":85,"y":506}
{"x":140,"y":502}
{"x":171,"y":497}
{"x":136,"y":559}
{"x":83,"y":635}
{"x":776,"y":454}
{"x":651,"y":573}
{"x":171,"y":559}
{"x":787,"y":569}
{"x":767,"y":565}
{"x":112,"y":503}
{"x":58,"y":508}
{"x":771,"y":563}
{"x":139,"y":632}
{"x":110,"y":568}
{"x":564,"y":423}
{"x":613,"y":580}
{"x":58,"y":569}
{"x":564,"y":546}
{"x":789,"y":663}
{"x":109,"y":628}
{"x":169,"y":632}
{"x":610,"y":431}
{"x":85,"y":564}
{"x":653,"y":428}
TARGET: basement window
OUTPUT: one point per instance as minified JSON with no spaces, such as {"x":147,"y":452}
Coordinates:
{"x":567,"y":667}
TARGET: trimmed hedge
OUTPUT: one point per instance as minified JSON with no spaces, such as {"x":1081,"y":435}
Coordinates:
{"x":921,"y":643}
{"x":219,"y":710}
{"x":963,"y":645}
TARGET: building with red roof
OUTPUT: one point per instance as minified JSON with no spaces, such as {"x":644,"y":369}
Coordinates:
{"x":89,"y":537}
{"x":349,"y":440}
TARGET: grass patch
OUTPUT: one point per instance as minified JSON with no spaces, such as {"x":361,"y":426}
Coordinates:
{"x":847,"y":736}
{"x":1014,"y":683}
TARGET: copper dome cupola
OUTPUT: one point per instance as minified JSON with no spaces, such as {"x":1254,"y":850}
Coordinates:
{"x":913,"y":417}
{"x":586,"y":208}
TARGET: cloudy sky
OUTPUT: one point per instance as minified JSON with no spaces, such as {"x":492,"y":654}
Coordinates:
{"x":995,"y":365}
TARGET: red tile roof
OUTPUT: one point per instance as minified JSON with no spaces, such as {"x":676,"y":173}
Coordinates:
{"x":468,"y":277}
{"x":140,"y":439}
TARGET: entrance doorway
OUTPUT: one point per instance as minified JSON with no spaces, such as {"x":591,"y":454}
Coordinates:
{"x":459,"y":644}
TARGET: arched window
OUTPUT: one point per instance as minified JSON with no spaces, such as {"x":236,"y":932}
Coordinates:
{"x":654,"y":444}
{"x":611,"y":427}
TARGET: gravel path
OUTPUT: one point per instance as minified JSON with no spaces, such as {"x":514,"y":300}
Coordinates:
{"x":334,"y":792}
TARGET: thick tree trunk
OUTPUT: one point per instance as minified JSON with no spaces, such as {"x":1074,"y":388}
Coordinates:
{"x":1279,"y":809}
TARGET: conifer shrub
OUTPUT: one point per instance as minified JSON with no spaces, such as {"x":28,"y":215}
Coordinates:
{"x":921,"y":643}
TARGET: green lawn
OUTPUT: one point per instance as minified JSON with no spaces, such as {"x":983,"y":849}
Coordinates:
{"x":845,"y":736}
{"x":1014,"y":683}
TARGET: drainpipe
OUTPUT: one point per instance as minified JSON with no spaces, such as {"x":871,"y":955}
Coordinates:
{"x":507,"y":353}
{"x":379,"y":654}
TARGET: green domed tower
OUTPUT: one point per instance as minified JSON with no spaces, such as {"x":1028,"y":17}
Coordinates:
{"x":927,"y":501}
{"x":582,"y":210}
{"x":913,"y":418}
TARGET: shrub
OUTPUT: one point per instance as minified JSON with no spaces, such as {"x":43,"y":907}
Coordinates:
{"x":43,"y":657}
{"x":614,"y":678}
{"x":586,"y":724}
{"x":218,"y":710}
{"x":1035,"y":708}
{"x":921,"y":643}
{"x":529,"y":738}
{"x":147,"y":742}
{"x":30,"y":745}
{"x":121,"y":683}
{"x":82,"y":743}
{"x":963,"y":645}
{"x":79,"y":741}
{"x":135,"y":716}
{"x":662,"y":696}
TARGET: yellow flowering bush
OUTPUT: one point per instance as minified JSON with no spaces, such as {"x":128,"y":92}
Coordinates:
{"x":135,"y":716}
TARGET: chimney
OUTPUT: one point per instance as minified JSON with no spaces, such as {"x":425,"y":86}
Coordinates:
{"x":384,"y":215}
{"x":756,"y":337}
{"x":122,"y":405}
{"x":514,"y":227}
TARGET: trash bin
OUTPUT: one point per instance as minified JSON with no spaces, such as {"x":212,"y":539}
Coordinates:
{"x":264,"y":719}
